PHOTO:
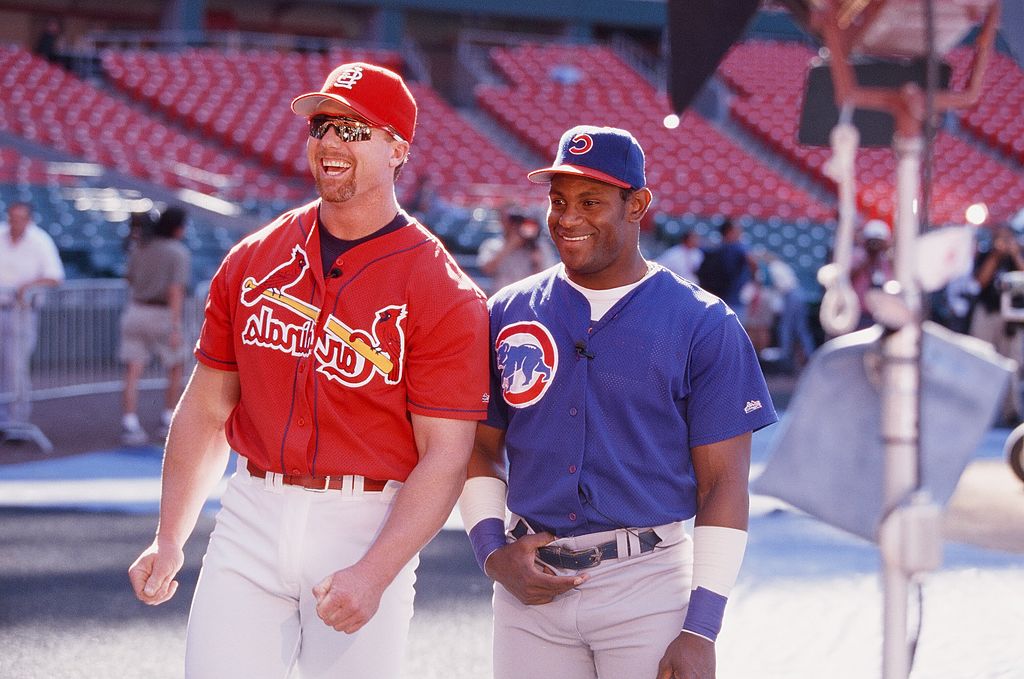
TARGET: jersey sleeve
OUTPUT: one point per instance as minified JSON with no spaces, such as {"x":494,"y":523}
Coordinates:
{"x":447,"y":364}
{"x":728,"y":394}
{"x":497,"y":408}
{"x":215,"y":347}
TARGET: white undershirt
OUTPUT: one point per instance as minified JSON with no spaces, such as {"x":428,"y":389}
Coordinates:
{"x":603,"y":300}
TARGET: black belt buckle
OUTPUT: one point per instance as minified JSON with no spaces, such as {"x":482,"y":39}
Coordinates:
{"x":579,"y":559}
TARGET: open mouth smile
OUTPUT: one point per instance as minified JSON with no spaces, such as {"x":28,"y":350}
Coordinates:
{"x":333,"y":167}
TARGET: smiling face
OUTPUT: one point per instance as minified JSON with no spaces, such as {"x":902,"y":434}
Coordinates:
{"x":597,"y":231}
{"x":342,"y":170}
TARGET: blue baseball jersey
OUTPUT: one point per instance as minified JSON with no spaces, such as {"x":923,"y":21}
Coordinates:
{"x":600,"y":416}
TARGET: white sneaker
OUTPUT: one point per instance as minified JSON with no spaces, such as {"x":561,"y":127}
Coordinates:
{"x":134,"y":436}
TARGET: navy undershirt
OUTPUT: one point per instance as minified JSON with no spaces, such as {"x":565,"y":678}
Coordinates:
{"x":332,"y":247}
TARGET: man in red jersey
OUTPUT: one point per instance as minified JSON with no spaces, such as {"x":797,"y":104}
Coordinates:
{"x":344,"y":357}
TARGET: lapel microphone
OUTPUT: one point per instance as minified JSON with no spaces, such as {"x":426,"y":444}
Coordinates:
{"x":581,"y":350}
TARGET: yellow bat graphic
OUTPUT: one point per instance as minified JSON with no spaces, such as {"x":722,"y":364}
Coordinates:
{"x":379,"y":360}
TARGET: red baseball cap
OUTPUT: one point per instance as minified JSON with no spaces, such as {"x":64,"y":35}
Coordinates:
{"x":373,"y":93}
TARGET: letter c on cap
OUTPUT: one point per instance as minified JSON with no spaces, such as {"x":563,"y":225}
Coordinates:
{"x":581,"y":143}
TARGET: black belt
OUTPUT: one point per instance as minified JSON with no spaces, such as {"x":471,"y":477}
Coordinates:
{"x":155,"y":302}
{"x":579,"y":559}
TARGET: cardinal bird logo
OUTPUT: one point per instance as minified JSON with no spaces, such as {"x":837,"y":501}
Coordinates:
{"x":389,"y":337}
{"x":278,"y":280}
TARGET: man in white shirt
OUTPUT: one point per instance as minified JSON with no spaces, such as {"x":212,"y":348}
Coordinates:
{"x":684,"y":257}
{"x":28,"y":261}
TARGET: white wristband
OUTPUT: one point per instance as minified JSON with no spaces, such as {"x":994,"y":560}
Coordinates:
{"x":483,"y":497}
{"x":717,"y":556}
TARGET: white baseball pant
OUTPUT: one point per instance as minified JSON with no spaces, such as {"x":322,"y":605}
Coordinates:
{"x":616,"y":624}
{"x":254,"y":614}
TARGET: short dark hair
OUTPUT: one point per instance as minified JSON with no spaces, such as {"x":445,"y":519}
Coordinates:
{"x":171,"y":219}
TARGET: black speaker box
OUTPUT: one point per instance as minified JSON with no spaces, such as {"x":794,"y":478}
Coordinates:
{"x":820,"y":114}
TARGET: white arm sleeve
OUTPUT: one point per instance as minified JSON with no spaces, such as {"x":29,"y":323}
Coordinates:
{"x":717,"y":555}
{"x":483,"y":497}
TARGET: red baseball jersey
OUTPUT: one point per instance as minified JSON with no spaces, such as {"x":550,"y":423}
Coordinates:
{"x":331,"y":368}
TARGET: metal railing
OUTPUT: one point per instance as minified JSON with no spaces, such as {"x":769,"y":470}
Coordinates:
{"x":78,"y":338}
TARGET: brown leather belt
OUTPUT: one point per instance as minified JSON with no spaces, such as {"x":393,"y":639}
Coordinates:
{"x":318,"y":483}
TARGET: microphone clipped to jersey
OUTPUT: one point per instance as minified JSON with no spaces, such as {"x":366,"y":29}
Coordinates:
{"x":581,"y":350}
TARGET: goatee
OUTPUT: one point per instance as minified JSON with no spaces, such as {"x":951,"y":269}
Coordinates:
{"x":335,"y":194}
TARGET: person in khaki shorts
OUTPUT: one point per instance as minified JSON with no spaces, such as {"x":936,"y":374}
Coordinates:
{"x":158,"y":272}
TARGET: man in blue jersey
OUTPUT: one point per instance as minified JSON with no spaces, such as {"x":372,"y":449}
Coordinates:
{"x":623,"y":399}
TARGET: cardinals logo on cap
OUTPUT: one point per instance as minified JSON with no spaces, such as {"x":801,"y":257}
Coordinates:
{"x":527,"y":359}
{"x":349,"y":78}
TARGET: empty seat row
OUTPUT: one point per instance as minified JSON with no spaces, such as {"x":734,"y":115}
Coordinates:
{"x":694,"y":168}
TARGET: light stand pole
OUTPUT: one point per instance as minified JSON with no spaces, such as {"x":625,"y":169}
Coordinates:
{"x":909,"y":534}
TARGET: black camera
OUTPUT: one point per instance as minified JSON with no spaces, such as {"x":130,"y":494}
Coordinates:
{"x":1011,"y":295}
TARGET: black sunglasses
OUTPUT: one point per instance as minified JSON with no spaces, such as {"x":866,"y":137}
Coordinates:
{"x":348,"y":129}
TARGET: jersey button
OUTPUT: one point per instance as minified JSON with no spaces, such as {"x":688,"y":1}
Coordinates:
{"x":573,"y":411}
{"x":302,"y":422}
{"x":295,"y":471}
{"x":572,"y":469}
{"x":572,"y":516}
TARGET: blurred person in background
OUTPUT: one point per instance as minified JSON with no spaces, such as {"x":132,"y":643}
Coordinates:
{"x":426,"y":203}
{"x":158,"y":271}
{"x":761,"y":302}
{"x":28,"y":261}
{"x":957,"y":303}
{"x":140,"y":228}
{"x":684,"y":258}
{"x":521,"y":251}
{"x":987,"y":320}
{"x":50,"y":43}
{"x":871,"y":264}
{"x":793,"y":330}
{"x":728,"y":267}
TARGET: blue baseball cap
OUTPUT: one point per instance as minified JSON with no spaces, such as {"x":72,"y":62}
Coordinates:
{"x":606,"y":154}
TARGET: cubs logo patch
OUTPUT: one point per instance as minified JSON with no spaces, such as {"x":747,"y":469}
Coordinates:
{"x":581,"y":143}
{"x":527,"y":360}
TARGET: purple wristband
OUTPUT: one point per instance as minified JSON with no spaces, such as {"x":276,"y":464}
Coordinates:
{"x":704,"y":616}
{"x":486,"y":537}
